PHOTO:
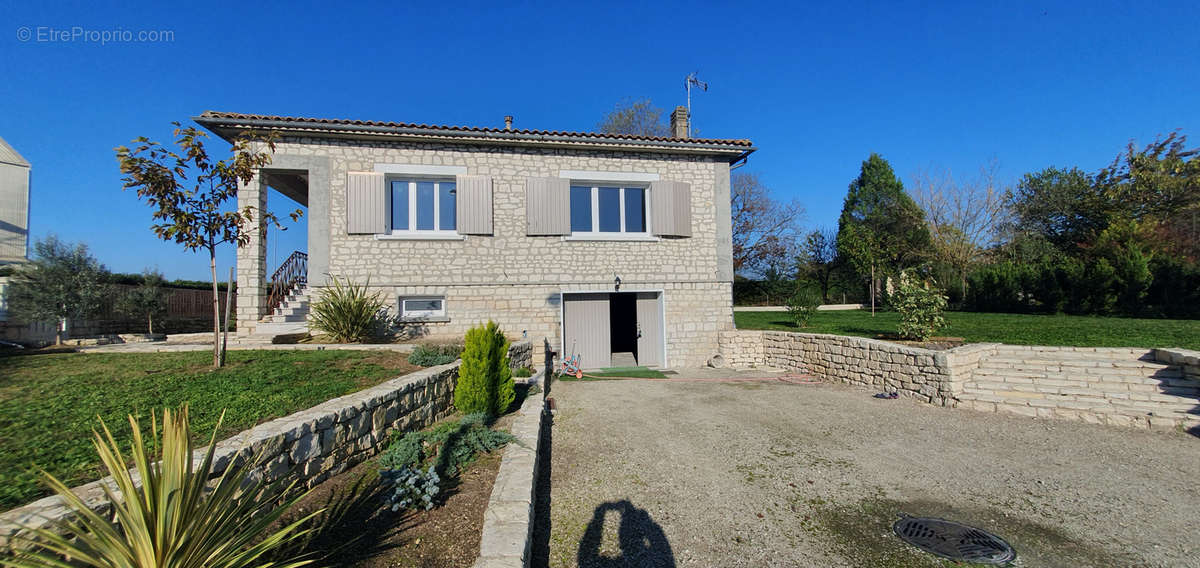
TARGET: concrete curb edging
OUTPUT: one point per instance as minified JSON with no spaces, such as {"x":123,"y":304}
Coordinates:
{"x":508,"y":521}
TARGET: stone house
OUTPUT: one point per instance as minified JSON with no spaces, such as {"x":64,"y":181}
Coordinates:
{"x":14,"y":205}
{"x":14,"y":217}
{"x":614,"y":247}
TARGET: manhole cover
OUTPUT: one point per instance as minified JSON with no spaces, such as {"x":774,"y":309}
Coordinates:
{"x":953,"y":540}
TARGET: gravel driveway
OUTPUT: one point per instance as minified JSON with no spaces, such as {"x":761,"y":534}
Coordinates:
{"x":654,"y":473}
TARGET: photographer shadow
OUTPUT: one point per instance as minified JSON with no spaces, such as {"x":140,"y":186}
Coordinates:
{"x":642,"y":540}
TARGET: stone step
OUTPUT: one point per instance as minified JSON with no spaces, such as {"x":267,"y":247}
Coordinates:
{"x":1174,"y":378}
{"x":293,"y":310}
{"x":1089,"y":389}
{"x":278,"y":318}
{"x":270,"y":329}
{"x":1036,"y":360}
{"x":1073,"y":353}
{"x":1042,"y":370}
{"x":1166,"y":406}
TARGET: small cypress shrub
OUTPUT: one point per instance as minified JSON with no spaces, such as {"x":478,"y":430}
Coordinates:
{"x":484,"y":379}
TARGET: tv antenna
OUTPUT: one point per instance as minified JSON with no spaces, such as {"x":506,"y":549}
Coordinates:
{"x":687,"y":85}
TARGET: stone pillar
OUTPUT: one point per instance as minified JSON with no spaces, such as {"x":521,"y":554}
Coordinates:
{"x":252,"y":260}
{"x":679,"y":123}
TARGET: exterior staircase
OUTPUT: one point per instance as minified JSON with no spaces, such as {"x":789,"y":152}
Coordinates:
{"x":290,"y":317}
{"x":1123,"y":382}
{"x":288,"y":301}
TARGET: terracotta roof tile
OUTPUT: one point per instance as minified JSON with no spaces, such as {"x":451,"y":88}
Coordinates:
{"x":310,"y":122}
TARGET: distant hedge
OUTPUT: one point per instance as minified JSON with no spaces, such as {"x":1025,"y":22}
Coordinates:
{"x":137,"y":279}
{"x":1162,"y":287}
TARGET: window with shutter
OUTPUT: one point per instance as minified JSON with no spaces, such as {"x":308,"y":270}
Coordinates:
{"x":474,"y":205}
{"x":366,"y":203}
{"x":421,"y":206}
{"x":671,"y":202}
{"x":547,"y":206}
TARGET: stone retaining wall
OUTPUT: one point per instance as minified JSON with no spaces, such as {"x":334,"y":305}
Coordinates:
{"x":1118,"y":386}
{"x":910,"y":371}
{"x":507,"y":537}
{"x":742,"y":349}
{"x":312,"y":444}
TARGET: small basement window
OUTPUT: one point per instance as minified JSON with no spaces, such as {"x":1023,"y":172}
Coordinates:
{"x":424,"y":307}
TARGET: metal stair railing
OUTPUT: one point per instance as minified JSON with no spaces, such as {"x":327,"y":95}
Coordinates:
{"x":290,"y":275}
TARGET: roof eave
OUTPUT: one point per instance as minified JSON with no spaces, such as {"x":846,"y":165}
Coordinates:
{"x":229,"y":128}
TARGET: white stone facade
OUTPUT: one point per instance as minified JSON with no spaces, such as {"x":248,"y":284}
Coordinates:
{"x":509,"y":277}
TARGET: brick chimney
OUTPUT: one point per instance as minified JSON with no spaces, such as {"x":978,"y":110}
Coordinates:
{"x":679,"y":122}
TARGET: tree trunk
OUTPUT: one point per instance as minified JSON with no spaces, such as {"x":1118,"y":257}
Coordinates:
{"x":60,"y":334}
{"x":872,"y":290}
{"x":150,"y":324}
{"x":216,"y":302}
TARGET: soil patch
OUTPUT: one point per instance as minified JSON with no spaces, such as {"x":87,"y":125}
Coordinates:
{"x":933,"y":343}
{"x":358,"y":531}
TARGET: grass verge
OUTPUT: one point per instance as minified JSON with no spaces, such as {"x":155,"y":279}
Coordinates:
{"x":1016,"y":329}
{"x":617,"y":373}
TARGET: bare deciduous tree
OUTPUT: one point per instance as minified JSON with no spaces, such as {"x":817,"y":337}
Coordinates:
{"x":765,"y":231}
{"x":818,"y":258}
{"x":964,"y":216}
{"x":637,"y":117}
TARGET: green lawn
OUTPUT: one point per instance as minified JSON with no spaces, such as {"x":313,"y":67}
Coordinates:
{"x":49,"y":402}
{"x":609,"y":373}
{"x":1077,"y":331}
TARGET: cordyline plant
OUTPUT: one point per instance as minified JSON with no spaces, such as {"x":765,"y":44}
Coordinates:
{"x":192,"y":212}
{"x":172,"y":515}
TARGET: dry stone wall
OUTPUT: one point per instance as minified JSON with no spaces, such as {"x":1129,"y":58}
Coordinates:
{"x":910,"y":371}
{"x":1117,"y":386}
{"x":1157,"y":388}
{"x":312,"y":444}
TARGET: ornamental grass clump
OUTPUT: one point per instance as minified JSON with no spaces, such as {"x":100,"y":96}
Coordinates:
{"x":485,"y":382}
{"x":347,"y":312}
{"x":174,"y":516}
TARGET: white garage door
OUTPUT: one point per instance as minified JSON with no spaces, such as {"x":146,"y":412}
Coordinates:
{"x":587,"y":329}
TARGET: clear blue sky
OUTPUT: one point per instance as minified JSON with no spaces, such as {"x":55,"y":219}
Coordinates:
{"x":816,"y":87}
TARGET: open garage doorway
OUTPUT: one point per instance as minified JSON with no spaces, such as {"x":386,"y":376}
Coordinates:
{"x":614,"y":328}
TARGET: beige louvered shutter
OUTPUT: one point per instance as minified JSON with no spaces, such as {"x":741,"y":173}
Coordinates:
{"x":671,"y":208}
{"x":547,"y":206}
{"x":473,"y":204}
{"x":366,"y":203}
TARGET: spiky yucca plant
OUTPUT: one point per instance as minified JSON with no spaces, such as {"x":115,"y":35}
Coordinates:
{"x":176,"y":518}
{"x":346,"y":311}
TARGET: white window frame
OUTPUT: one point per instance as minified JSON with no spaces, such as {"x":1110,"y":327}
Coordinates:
{"x":622,"y":234}
{"x":422,"y":314}
{"x":412,"y":208}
